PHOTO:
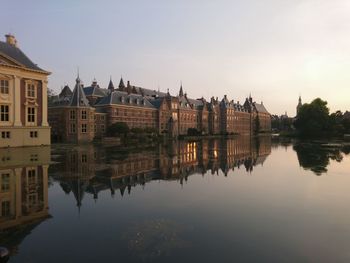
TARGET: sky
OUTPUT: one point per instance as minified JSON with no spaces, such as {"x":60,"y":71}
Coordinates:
{"x":274,"y":50}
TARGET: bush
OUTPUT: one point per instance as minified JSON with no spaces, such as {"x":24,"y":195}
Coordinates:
{"x":137,"y":130}
{"x":118,"y":128}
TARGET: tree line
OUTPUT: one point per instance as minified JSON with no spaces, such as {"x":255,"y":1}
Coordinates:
{"x":315,"y":120}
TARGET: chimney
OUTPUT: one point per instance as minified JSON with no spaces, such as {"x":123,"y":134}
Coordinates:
{"x":10,"y":39}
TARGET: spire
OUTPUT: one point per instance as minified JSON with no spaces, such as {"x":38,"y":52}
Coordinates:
{"x":94,"y":82}
{"x":299,"y":104}
{"x":111,"y":85}
{"x":181,"y":92}
{"x":121,"y":84}
{"x":79,"y":98}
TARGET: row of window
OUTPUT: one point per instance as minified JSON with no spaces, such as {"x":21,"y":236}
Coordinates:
{"x":84,"y":115}
{"x":5,"y":113}
{"x":4,"y":88}
{"x":7,"y":134}
{"x":84,"y":128}
{"x":118,"y":112}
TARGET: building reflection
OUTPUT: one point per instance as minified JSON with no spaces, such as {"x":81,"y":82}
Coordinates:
{"x":23,"y":192}
{"x":90,"y":170}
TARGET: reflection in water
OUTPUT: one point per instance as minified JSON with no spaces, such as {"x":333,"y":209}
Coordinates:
{"x":23,"y":192}
{"x":86,"y":169}
{"x":316,"y":157}
{"x":152,"y":239}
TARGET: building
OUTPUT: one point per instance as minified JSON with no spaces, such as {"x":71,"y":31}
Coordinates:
{"x":85,"y":169}
{"x":151,"y":110}
{"x":23,"y":193}
{"x":23,"y":98}
{"x":299,"y":105}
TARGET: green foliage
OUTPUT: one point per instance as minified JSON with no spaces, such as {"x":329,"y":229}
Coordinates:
{"x":118,"y":128}
{"x":313,"y":118}
{"x":150,"y":130}
{"x":137,"y":130}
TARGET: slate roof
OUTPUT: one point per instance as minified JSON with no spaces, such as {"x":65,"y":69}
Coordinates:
{"x":14,"y":53}
{"x":95,"y":91}
{"x":260,"y":108}
{"x":111,"y":85}
{"x":157,"y":102}
{"x":79,"y":99}
{"x":66,"y":92}
{"x":123,"y":98}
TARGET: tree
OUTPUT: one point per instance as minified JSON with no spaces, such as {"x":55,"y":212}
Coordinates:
{"x":313,"y":118}
{"x":50,"y":95}
{"x":118,"y":128}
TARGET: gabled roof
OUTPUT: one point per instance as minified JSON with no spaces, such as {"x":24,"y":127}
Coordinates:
{"x":66,"y":92}
{"x":260,"y":108}
{"x":15,"y":54}
{"x":157,"y":102}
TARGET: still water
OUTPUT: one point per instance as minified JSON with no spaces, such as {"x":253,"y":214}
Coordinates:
{"x":236,"y":200}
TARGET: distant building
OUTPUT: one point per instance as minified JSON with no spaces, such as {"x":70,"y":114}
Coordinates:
{"x":23,"y":98}
{"x":161,"y":112}
{"x":299,"y":105}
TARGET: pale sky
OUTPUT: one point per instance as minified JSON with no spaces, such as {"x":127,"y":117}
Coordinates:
{"x":273,"y":49}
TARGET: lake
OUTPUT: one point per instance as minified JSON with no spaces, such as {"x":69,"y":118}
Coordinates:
{"x":218,"y":200}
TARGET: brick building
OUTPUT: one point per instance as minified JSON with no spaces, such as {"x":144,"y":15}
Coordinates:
{"x":151,"y":109}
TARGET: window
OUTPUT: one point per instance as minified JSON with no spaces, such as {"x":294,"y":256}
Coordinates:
{"x":5,"y":208}
{"x":83,"y":128}
{"x":32,"y":200}
{"x":4,"y":86}
{"x":5,"y":182}
{"x":83,"y":115}
{"x":31,"y":114}
{"x":34,"y":158}
{"x":33,"y":134}
{"x":4,"y":113}
{"x":72,"y":128}
{"x":31,"y":176}
{"x":72,"y":115}
{"x":102,"y":117}
{"x":5,"y":134}
{"x":102,"y":128}
{"x":31,"y":90}
{"x":84,"y":158}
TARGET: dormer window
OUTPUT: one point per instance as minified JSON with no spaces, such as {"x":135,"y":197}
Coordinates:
{"x":130,"y":100}
{"x":122,"y":99}
{"x":144,"y":102}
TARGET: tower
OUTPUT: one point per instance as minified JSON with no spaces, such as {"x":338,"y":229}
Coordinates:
{"x":299,"y":105}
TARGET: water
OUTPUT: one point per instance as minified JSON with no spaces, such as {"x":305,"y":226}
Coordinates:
{"x":241,"y":200}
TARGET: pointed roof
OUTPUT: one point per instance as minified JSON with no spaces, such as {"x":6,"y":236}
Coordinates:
{"x":181,"y":92}
{"x":121,"y":84}
{"x":79,"y":99}
{"x":66,"y":92}
{"x":111,"y":85}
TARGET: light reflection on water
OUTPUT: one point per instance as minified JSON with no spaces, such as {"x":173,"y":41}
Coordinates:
{"x":224,"y":200}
